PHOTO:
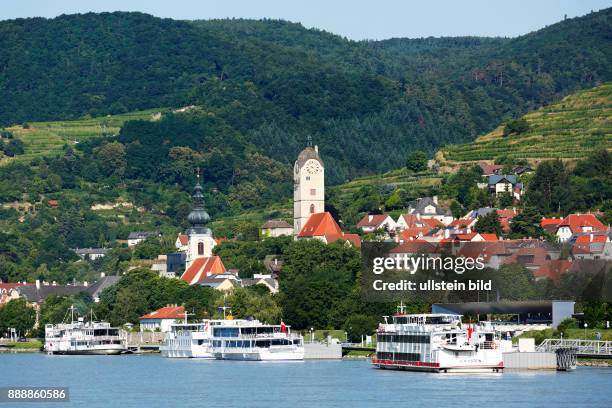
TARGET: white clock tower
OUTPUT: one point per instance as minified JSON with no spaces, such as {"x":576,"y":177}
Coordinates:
{"x":308,"y":186}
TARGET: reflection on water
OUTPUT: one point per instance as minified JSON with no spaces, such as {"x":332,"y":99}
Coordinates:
{"x":152,"y":381}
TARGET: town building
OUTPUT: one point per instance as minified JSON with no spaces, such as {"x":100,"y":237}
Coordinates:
{"x":91,"y":254}
{"x":323,"y":227}
{"x":308,"y":186}
{"x":372,"y":222}
{"x":505,"y":183}
{"x":429,"y":208}
{"x":136,"y":237}
{"x":161,"y":319}
{"x":276,"y":228}
{"x":200,"y":239}
{"x":579,"y":224}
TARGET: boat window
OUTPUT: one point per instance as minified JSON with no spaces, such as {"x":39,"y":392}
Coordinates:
{"x":225,"y":332}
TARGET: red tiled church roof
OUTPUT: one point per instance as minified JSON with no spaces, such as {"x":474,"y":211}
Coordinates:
{"x":201,"y":268}
{"x":324,"y":225}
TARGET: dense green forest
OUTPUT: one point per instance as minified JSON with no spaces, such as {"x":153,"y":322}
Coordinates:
{"x":269,"y":84}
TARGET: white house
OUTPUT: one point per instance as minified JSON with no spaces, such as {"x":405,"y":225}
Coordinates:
{"x":276,"y":228}
{"x":137,"y":237}
{"x":161,"y":319}
{"x":372,"y":222}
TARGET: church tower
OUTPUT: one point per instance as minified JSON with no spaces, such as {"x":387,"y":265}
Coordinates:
{"x":308,"y":186}
{"x":201,"y":241}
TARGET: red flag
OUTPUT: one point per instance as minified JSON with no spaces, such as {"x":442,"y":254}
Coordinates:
{"x":469,"y":329}
{"x":283,"y":327}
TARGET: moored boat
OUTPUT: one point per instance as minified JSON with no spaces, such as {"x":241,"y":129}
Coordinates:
{"x":80,"y":337}
{"x":438,"y":343}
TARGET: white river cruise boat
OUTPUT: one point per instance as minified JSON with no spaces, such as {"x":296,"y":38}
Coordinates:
{"x":189,"y":340}
{"x":252,"y":340}
{"x":80,"y":337}
{"x":438,"y":343}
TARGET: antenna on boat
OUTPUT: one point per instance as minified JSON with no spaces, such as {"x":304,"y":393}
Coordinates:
{"x":401,"y":308}
{"x":224,"y":307}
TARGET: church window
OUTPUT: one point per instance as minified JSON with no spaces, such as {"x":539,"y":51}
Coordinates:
{"x":312,"y":209}
{"x":313,"y":191}
{"x":200,"y":248}
{"x":307,"y":178}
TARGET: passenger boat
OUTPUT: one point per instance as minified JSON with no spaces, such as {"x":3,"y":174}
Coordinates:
{"x":80,"y":337}
{"x":252,"y":340}
{"x":438,"y":343}
{"x":188,"y":340}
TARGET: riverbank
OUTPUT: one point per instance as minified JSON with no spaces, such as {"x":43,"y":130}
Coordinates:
{"x":30,"y":346}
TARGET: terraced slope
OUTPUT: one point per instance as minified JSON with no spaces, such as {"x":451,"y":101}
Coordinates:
{"x":569,"y":129}
{"x":44,"y":138}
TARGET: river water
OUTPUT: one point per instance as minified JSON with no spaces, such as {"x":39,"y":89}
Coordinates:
{"x":153,"y":381}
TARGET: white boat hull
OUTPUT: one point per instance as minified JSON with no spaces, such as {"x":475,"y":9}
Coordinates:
{"x":263,"y":354}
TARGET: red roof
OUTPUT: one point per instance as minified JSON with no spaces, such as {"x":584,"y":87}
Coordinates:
{"x":413,"y":247}
{"x":413,"y":233}
{"x":466,"y":237}
{"x":184,"y":239}
{"x":462,"y":222}
{"x":354,"y":239}
{"x":587,"y":239}
{"x":5,"y":287}
{"x":320,"y":225}
{"x":168,"y":312}
{"x":577,"y":221}
{"x":372,"y":220}
{"x":200,"y":268}
{"x":550,"y":221}
{"x":553,"y":269}
{"x":53,"y":203}
{"x":488,"y":236}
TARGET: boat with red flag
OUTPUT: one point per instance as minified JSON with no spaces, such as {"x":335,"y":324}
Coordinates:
{"x":438,"y":343}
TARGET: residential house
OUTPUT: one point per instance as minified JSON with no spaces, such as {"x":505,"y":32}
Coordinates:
{"x":551,"y":225}
{"x":182,"y":242}
{"x":579,"y":224}
{"x":276,"y":228}
{"x":91,"y":254}
{"x":162,"y":319}
{"x":137,"y":237}
{"x":591,"y":245}
{"x":201,"y":268}
{"x":372,"y":222}
{"x":259,"y":279}
{"x":224,"y":282}
{"x":490,"y":169}
{"x":505,"y":183}
{"x":428,"y":207}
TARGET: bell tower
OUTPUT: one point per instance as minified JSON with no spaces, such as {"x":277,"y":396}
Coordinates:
{"x":201,"y":241}
{"x":308,"y":186}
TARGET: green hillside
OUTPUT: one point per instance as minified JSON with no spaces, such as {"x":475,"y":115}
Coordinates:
{"x":48,"y":138}
{"x":269,"y":84}
{"x":569,"y":129}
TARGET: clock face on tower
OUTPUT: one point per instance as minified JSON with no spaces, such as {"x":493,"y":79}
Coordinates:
{"x":312,"y":167}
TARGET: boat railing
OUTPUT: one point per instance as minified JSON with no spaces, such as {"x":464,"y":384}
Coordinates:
{"x":488,"y":345}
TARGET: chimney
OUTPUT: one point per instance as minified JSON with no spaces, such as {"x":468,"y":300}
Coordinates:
{"x":102,"y":274}
{"x":468,"y":230}
{"x":275,"y":261}
{"x":370,"y":218}
{"x":316,"y":148}
{"x":591,"y":237}
{"x":85,"y":283}
{"x":37,"y":284}
{"x":418,"y":216}
{"x":435,"y":199}
{"x":54,"y":283}
{"x":446,"y":233}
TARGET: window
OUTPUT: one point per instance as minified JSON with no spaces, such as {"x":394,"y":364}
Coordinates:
{"x":313,"y":191}
{"x":200,"y":248}
{"x":307,"y":178}
{"x":312,"y":208}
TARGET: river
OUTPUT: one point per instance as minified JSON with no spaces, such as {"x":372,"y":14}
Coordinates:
{"x":153,"y":381}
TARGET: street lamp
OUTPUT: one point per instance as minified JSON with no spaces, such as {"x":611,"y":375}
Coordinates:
{"x":585,"y":327}
{"x":312,"y":334}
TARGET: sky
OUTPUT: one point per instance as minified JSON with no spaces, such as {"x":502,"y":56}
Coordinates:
{"x":355,"y":19}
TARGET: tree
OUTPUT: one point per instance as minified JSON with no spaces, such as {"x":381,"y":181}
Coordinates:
{"x":489,"y":223}
{"x":14,"y":147}
{"x":417,"y":161}
{"x":359,"y":325}
{"x":17,"y":314}
{"x":111,"y":159}
{"x":516,"y":126}
{"x":527,"y":223}
{"x":550,"y":189}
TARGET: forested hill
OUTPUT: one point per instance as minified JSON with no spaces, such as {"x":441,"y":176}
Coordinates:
{"x":270,"y":83}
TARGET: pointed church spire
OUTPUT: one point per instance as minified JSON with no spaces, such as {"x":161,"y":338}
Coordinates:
{"x":198,"y":217}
